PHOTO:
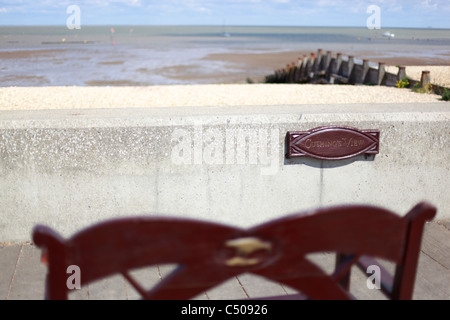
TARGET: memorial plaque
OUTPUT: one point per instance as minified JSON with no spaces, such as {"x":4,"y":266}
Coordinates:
{"x":332,"y":143}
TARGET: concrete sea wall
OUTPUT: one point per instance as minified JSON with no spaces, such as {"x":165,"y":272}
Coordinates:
{"x":71,"y":168}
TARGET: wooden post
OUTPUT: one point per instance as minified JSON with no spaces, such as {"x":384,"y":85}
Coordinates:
{"x":280,"y":76}
{"x":334,"y":68}
{"x":284,"y":75}
{"x":331,"y":62}
{"x":381,"y":73}
{"x":276,"y":76}
{"x":292,"y":72}
{"x":338,"y":62}
{"x":303,"y":73}
{"x":425,"y":81}
{"x":327,"y":61}
{"x":311,"y":67}
{"x":365,"y":70}
{"x":317,"y":65}
{"x":288,"y":73}
{"x":298,"y":70}
{"x":351,"y":63}
{"x":401,"y":73}
{"x":305,"y":60}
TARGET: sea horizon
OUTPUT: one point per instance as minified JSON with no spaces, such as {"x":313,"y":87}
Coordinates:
{"x":218,"y":25}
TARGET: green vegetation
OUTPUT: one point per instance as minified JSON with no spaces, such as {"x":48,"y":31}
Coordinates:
{"x":404,"y":83}
{"x":416,"y":87}
{"x":446,"y":94}
{"x":430,"y":89}
{"x":427,"y":89}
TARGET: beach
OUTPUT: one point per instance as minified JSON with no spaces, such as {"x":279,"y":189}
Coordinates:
{"x":143,"y":67}
{"x":127,"y":95}
{"x":153,"y":56}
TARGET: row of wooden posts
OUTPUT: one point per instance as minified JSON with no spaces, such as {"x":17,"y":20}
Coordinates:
{"x":326,"y":69}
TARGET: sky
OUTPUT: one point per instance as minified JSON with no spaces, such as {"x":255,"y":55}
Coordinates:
{"x":340,"y":13}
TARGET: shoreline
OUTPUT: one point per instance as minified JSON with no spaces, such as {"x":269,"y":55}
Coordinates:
{"x":263,"y":64}
{"x":232,"y":67}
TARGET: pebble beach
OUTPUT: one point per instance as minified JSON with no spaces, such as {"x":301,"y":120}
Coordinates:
{"x":33,"y":98}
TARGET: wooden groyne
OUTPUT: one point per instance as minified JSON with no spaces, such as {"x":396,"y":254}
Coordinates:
{"x":323,"y":68}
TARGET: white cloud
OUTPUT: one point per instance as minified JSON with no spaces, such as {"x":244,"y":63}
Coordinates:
{"x":430,"y":4}
{"x":132,"y":3}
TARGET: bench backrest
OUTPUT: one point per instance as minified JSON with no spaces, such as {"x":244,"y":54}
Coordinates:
{"x":209,"y":254}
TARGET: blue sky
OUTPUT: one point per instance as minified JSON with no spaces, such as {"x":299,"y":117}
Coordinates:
{"x":394,"y":13}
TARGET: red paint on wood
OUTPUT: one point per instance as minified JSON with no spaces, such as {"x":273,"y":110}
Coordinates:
{"x":209,"y":254}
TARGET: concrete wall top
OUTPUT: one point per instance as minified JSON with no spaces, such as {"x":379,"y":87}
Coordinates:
{"x":179,"y":115}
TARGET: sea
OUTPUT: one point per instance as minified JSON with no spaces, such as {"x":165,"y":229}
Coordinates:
{"x":168,"y":55}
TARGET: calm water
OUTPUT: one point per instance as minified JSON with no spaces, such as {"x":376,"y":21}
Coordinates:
{"x":152,"y":55}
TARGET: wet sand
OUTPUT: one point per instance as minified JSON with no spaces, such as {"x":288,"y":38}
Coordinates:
{"x":258,"y":65}
{"x":280,"y":59}
{"x":233,"y":67}
{"x":26,"y":54}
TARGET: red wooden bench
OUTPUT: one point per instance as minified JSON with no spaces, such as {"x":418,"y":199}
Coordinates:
{"x":209,"y":254}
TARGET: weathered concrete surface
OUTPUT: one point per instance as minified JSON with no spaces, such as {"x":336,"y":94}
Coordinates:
{"x":70,"y":168}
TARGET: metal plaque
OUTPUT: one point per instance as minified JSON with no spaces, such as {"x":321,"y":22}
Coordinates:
{"x":332,"y":143}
